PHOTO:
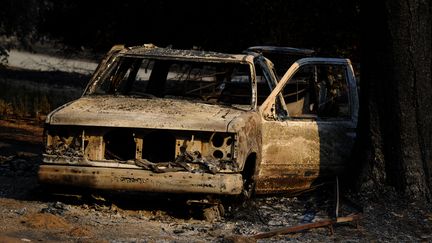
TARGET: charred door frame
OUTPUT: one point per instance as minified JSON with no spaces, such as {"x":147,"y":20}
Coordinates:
{"x":296,"y":151}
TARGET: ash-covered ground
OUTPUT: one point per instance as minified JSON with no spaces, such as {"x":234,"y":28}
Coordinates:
{"x":31,"y":213}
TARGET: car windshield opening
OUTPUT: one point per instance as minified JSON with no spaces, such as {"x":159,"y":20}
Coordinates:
{"x":224,"y":83}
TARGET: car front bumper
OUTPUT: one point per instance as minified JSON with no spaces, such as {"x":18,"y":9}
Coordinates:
{"x":140,"y":180}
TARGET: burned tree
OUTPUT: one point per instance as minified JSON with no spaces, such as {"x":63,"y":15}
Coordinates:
{"x":397,"y":96}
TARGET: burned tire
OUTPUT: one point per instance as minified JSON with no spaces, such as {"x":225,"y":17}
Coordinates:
{"x":248,"y":189}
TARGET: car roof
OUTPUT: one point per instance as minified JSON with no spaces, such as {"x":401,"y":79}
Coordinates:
{"x":149,"y":50}
{"x":281,"y":50}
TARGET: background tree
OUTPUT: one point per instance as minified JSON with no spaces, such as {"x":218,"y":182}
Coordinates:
{"x":331,"y":27}
{"x":396,"y":125}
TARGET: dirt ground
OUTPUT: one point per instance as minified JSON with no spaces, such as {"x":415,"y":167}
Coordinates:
{"x":31,"y":213}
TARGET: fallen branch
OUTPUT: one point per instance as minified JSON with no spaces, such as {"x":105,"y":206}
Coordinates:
{"x":297,"y":228}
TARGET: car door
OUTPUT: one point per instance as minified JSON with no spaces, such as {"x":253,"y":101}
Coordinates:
{"x":308,"y":124}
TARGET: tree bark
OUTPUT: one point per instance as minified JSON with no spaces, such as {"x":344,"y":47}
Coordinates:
{"x":397,"y":97}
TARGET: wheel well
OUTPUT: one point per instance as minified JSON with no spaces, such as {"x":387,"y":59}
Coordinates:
{"x":249,"y":167}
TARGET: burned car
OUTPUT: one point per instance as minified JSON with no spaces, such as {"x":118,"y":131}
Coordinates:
{"x":186,"y":121}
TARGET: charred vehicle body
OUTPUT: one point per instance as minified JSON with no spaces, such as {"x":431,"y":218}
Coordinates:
{"x":185,"y":121}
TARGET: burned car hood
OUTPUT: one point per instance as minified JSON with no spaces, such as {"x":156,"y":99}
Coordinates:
{"x":144,"y":113}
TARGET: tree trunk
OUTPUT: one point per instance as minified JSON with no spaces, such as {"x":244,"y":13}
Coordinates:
{"x":397,"y":96}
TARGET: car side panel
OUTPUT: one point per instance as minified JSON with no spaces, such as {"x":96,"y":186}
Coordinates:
{"x":290,"y":156}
